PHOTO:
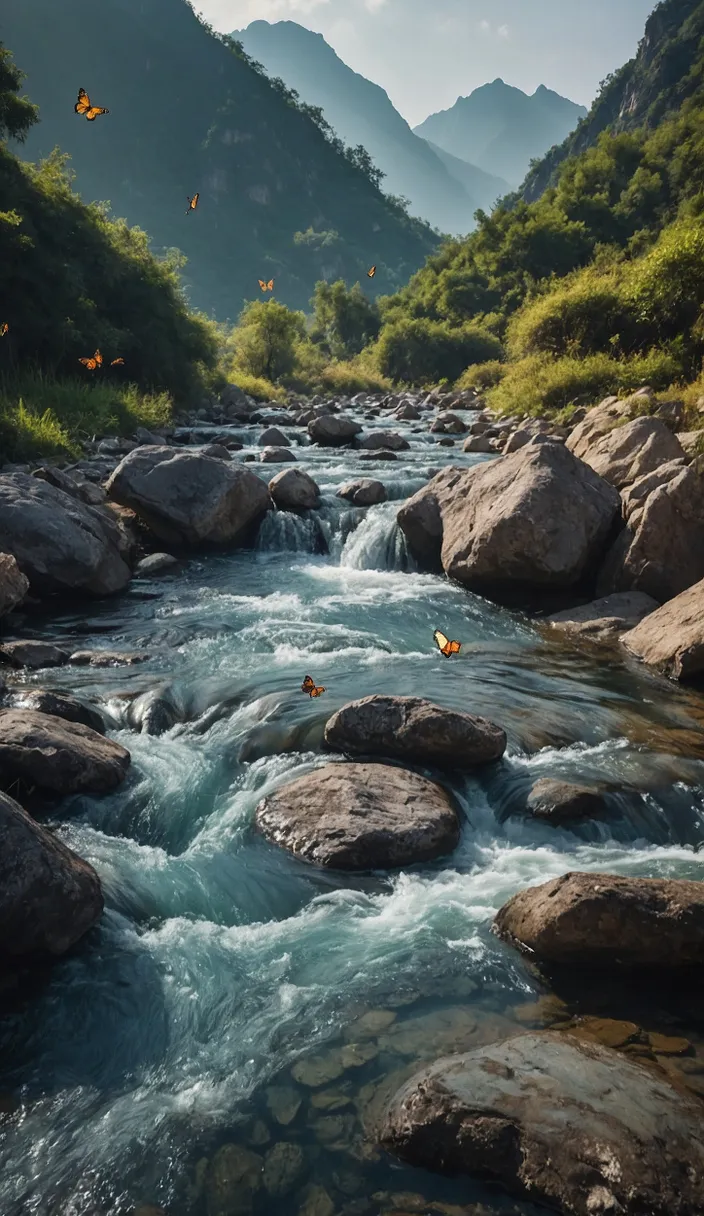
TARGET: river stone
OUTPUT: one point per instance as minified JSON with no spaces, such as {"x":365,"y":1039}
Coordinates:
{"x":627,"y":452}
{"x":60,"y":544}
{"x":314,"y":1071}
{"x":13,"y":584}
{"x":407,"y":412}
{"x":276,"y":456}
{"x":448,"y":424}
{"x":601,"y":420}
{"x":374,"y":456}
{"x":672,"y":638}
{"x":216,"y":451}
{"x":284,"y":1102}
{"x":284,"y":1168}
{"x":562,"y":802}
{"x":53,"y":754}
{"x":154,"y":564}
{"x":155,"y":711}
{"x":608,"y":921}
{"x":272,"y":437}
{"x":57,"y":705}
{"x":612,"y":614}
{"x":413,"y":729}
{"x":360,"y":817}
{"x":188,"y":499}
{"x":108,"y":658}
{"x":633,"y":497}
{"x":294,"y":490}
{"x":537,"y":518}
{"x":49,"y":897}
{"x":363,"y":493}
{"x":233,"y":1177}
{"x":421,"y":517}
{"x":331,"y":431}
{"x":478,"y":443}
{"x":389,"y":441}
{"x":517,"y":440}
{"x":316,"y":1202}
{"x":33,"y":654}
{"x":557,"y":1121}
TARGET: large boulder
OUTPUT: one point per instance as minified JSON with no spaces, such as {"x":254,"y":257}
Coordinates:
{"x":415,"y":730}
{"x":634,"y":496}
{"x":49,"y":897}
{"x":294,"y":490}
{"x":360,"y":817}
{"x":14,"y":585}
{"x":56,"y":704}
{"x":33,"y":654}
{"x":558,"y":1121}
{"x":608,"y":921}
{"x":363,"y":493}
{"x":272,"y":437}
{"x":60,"y":544}
{"x":421,"y":516}
{"x":537,"y":518}
{"x":277,"y":456}
{"x":448,"y":424}
{"x":332,"y":431}
{"x":672,"y":638}
{"x":188,"y":499}
{"x":606,"y":617}
{"x":478,"y":443}
{"x":563,"y":801}
{"x":600,"y":420}
{"x":630,"y":451}
{"x":388,"y":441}
{"x":661,"y":550}
{"x":53,"y":754}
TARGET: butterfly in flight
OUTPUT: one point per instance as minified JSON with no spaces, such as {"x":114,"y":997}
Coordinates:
{"x":3,"y":329}
{"x":266,"y":286}
{"x":91,"y":363}
{"x":445,"y":646}
{"x":114,"y":361}
{"x":83,"y":106}
{"x":371,"y":273}
{"x":309,"y":686}
{"x":192,"y":202}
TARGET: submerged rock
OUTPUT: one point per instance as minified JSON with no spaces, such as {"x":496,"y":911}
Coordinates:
{"x":154,"y":564}
{"x":608,"y":921}
{"x":284,"y":1169}
{"x":672,"y":638}
{"x":413,"y":729}
{"x":233,"y":1177}
{"x":33,"y":654}
{"x":562,"y":802}
{"x":154,"y":712}
{"x":360,"y":817}
{"x":371,"y":456}
{"x":49,"y":897}
{"x":13,"y":584}
{"x":363,"y":493}
{"x":54,"y":754}
{"x":606,"y":617}
{"x":557,"y":1121}
{"x":294,"y":490}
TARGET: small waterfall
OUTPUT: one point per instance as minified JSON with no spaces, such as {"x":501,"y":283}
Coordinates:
{"x":377,"y":544}
{"x":283,"y":531}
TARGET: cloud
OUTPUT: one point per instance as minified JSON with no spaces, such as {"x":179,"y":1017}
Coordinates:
{"x":485,"y":27}
{"x":373,"y":6}
{"x":502,"y":31}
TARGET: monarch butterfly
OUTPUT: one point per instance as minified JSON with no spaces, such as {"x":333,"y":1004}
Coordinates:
{"x":444,"y":644}
{"x":114,"y":361}
{"x":371,"y":273}
{"x":309,"y":686}
{"x":91,"y":364}
{"x":192,"y":202}
{"x":83,"y":106}
{"x":266,"y":286}
{"x":3,"y":329}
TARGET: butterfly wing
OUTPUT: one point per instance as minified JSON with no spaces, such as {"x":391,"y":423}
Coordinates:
{"x":270,"y":285}
{"x":372,"y":272}
{"x":113,"y":362}
{"x":262,"y":284}
{"x":83,"y":102}
{"x":94,"y":111}
{"x":89,"y":363}
{"x":440,"y":640}
{"x":455,"y":647}
{"x":307,"y":684}
{"x":98,"y":358}
{"x":316,"y":692}
{"x":3,"y":329}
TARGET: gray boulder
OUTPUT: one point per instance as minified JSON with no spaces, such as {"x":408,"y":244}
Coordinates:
{"x":374,"y":456}
{"x":276,"y":455}
{"x":517,"y":440}
{"x":628,"y":452}
{"x":13,"y":584}
{"x":331,"y":431}
{"x":672,"y":638}
{"x":294,"y":490}
{"x":421,"y":517}
{"x":415,"y":730}
{"x":448,"y":424}
{"x":389,"y":441}
{"x":32,"y":654}
{"x":478,"y":443}
{"x":363,"y":493}
{"x":155,"y":563}
{"x":562,"y":801}
{"x":272,"y":437}
{"x":53,"y":754}
{"x":190,"y":500}
{"x":56,"y":704}
{"x":606,"y":617}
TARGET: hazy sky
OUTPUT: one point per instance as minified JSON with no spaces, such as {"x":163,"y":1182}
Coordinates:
{"x":427,"y":53}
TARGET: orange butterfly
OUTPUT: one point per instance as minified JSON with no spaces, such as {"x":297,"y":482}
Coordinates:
{"x":371,"y":273}
{"x":3,"y":329}
{"x":192,"y":202}
{"x":266,"y":286}
{"x":83,"y":106}
{"x":114,"y":361}
{"x":309,"y":686}
{"x":446,"y":647}
{"x":91,"y":364}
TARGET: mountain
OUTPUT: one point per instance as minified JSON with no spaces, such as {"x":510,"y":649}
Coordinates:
{"x":476,"y":182}
{"x":361,"y":113}
{"x":501,"y":129}
{"x":188,"y":113}
{"x":666,"y":70}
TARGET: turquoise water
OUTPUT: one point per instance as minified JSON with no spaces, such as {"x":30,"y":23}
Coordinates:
{"x":221,"y":962}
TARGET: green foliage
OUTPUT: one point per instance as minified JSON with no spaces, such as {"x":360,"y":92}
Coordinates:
{"x":580,"y":315}
{"x":345,"y":320}
{"x":423,"y":352}
{"x":541,"y":383}
{"x":482,"y":375}
{"x":17,"y":114}
{"x":352,"y":376}
{"x":265,"y":339}
{"x":255,"y":386}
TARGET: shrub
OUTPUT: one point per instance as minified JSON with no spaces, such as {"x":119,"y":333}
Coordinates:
{"x":345,"y":321}
{"x":542,"y":383}
{"x":665,"y":287}
{"x":266,"y":337}
{"x":352,"y":376}
{"x":256,"y":386}
{"x":419,"y":351}
{"x":482,"y":375}
{"x":584,"y":315}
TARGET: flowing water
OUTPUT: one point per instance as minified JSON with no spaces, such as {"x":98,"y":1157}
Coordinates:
{"x":221,"y":963}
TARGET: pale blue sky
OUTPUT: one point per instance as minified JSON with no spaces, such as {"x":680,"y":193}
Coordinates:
{"x":427,"y":53}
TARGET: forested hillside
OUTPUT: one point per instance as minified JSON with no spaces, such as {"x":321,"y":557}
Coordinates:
{"x":278,"y":198}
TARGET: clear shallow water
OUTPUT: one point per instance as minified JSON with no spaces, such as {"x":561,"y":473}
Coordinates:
{"x":221,"y":962}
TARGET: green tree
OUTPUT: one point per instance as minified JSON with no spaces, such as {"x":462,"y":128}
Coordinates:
{"x":266,"y":338}
{"x":345,"y":321}
{"x":423,"y":352}
{"x":17,"y":114}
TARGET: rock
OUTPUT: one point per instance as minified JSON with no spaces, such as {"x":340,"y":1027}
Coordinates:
{"x":233,"y":1177}
{"x":57,"y":705}
{"x":557,"y":1121}
{"x":188,"y":499}
{"x":600,"y":421}
{"x":276,"y":455}
{"x":478,"y":443}
{"x":606,"y":920}
{"x":154,"y":712}
{"x":60,"y":545}
{"x":407,"y":412}
{"x":445,"y":443}
{"x":155,"y":563}
{"x":562,"y":802}
{"x":13,"y":584}
{"x":32,"y":654}
{"x":113,"y":445}
{"x":672,"y":638}
{"x":691,"y":442}
{"x":216,"y":451}
{"x":272,"y":437}
{"x":628,"y":452}
{"x":284,"y":1168}
{"x":661,"y":551}
{"x":363,"y":493}
{"x":314,"y":1071}
{"x":517,"y":440}
{"x":360,"y":817}
{"x":537,"y":518}
{"x":448,"y":424}
{"x":284,"y":1102}
{"x":108,"y":658}
{"x":613,"y":614}
{"x":378,"y":456}
{"x":333,"y":431}
{"x":143,"y":436}
{"x":53,"y":754}
{"x":415,"y":730}
{"x":294,"y":490}
{"x":420,"y":518}
{"x":49,"y":897}
{"x":389,"y":441}
{"x":316,"y":1202}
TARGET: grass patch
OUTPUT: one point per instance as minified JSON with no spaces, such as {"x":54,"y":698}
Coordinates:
{"x":542,"y":384}
{"x":257,"y":387}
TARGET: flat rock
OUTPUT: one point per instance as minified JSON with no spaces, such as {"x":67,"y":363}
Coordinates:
{"x":13,"y":584}
{"x":517,"y":440}
{"x":294,"y":490}
{"x":54,"y":754}
{"x":332,"y":431}
{"x":363,"y":493}
{"x":189,"y":500}
{"x":389,"y":441}
{"x":360,"y":817}
{"x":600,"y":421}
{"x":49,"y":897}
{"x":108,"y":658}
{"x":606,"y":617}
{"x":557,"y":1121}
{"x":562,"y":801}
{"x":57,"y":705}
{"x":33,"y":654}
{"x":633,"y":496}
{"x":672,"y":638}
{"x":478,"y":443}
{"x":607,"y":921}
{"x":416,"y":730}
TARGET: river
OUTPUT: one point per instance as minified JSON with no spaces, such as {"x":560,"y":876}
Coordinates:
{"x":221,"y":962}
